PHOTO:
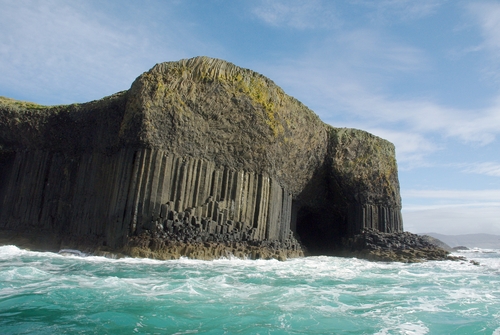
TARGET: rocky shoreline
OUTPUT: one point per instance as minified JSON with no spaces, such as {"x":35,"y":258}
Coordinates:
{"x":155,"y":245}
{"x":369,"y":244}
{"x":143,"y":246}
{"x":394,"y":247}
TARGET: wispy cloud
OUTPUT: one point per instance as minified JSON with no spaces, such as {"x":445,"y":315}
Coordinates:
{"x":371,"y":50}
{"x":454,"y":221}
{"x":296,"y":14}
{"x":486,"y":15}
{"x":471,"y":196}
{"x":400,"y":10}
{"x":54,"y":40}
{"x":81,"y":50}
{"x":449,"y":211}
{"x":486,"y":168}
{"x":425,"y":116}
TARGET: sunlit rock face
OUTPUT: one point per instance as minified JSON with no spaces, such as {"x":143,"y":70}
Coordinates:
{"x":199,"y":158}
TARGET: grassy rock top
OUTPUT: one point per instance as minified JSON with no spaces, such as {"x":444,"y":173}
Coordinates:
{"x":365,"y":166}
{"x":71,"y":128}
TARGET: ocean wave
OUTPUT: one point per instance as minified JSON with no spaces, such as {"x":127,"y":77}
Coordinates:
{"x":309,"y":295}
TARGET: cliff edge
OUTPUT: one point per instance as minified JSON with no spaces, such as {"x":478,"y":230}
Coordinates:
{"x":198,"y":158}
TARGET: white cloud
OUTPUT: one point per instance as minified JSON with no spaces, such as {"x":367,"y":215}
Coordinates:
{"x":472,"y":196}
{"x":487,"y":15}
{"x":401,"y":10}
{"x":83,"y":51}
{"x":424,"y":116}
{"x":349,"y":71}
{"x":296,"y":14}
{"x":487,"y":168}
{"x":53,"y":41}
{"x":327,"y":14}
{"x":372,"y":51}
{"x":454,"y":221}
{"x":451,"y":212}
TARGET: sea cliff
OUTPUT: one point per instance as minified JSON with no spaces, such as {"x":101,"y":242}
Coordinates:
{"x":199,"y":158}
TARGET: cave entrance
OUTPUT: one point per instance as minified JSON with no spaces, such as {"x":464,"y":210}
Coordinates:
{"x":314,"y":232}
{"x":6,"y":163}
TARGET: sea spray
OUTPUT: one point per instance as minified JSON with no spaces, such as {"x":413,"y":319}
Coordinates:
{"x":47,"y":293}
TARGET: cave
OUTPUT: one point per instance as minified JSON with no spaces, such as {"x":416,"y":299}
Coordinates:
{"x":6,"y":163}
{"x":316,"y":231}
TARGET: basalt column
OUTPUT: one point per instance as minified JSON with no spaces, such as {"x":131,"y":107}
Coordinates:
{"x":77,"y":197}
{"x":164,"y":185}
{"x":109,"y":197}
{"x":364,"y":177}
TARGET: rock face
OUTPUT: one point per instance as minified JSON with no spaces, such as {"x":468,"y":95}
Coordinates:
{"x":198,"y":155}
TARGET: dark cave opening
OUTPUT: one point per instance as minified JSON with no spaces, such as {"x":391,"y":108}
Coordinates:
{"x":316,"y":232}
{"x":6,"y":163}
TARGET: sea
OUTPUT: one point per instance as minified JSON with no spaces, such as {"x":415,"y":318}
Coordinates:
{"x":50,"y":293}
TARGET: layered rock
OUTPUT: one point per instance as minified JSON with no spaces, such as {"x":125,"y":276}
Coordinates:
{"x":198,"y":155}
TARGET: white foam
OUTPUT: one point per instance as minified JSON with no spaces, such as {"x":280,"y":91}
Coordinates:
{"x":72,"y":252}
{"x":392,"y":295}
{"x":406,"y":328}
{"x":469,"y":295}
{"x":479,"y":251}
{"x":9,"y":251}
{"x":413,"y":328}
{"x":24,"y":273}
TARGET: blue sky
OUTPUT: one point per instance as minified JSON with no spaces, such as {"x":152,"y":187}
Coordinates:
{"x":423,"y":74}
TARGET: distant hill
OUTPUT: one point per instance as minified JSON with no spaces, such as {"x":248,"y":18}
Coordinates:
{"x":485,"y":241}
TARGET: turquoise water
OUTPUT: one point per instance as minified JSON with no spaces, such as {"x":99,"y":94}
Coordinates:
{"x":46,"y":293}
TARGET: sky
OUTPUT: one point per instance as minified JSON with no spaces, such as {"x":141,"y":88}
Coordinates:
{"x":423,"y":74}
